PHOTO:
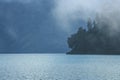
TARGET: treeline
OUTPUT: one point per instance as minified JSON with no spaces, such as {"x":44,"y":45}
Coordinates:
{"x":99,"y":38}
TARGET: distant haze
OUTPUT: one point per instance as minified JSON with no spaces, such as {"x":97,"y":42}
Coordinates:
{"x":44,"y":25}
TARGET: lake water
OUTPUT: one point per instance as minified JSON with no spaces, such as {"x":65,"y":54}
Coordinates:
{"x":59,"y":67}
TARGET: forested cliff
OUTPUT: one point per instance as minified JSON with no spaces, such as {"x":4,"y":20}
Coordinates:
{"x":101,"y":37}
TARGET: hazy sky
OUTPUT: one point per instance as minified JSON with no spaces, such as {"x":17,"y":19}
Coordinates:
{"x":44,"y":25}
{"x":68,"y":11}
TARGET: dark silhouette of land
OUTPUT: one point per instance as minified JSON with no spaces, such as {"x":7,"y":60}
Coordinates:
{"x":99,"y":38}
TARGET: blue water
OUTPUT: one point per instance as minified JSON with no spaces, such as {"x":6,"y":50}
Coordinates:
{"x":59,"y":67}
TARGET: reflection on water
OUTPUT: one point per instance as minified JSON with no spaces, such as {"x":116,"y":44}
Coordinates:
{"x":59,"y":67}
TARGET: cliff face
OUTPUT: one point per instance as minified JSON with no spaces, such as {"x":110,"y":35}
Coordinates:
{"x":100,"y":38}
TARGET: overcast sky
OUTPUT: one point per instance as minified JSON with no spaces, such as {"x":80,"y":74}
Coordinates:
{"x":44,"y":25}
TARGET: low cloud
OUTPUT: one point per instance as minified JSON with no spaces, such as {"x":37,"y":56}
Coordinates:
{"x":22,"y":1}
{"x":68,"y":11}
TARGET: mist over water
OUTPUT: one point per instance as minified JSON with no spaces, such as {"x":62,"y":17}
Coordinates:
{"x":27,"y":22}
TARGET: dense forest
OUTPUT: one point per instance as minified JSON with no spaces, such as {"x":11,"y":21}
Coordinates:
{"x":100,"y":37}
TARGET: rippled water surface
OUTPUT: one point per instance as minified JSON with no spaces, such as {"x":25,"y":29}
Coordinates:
{"x":59,"y":67}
